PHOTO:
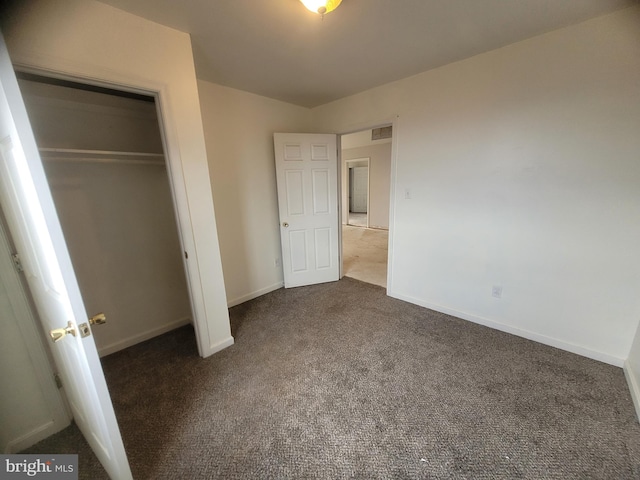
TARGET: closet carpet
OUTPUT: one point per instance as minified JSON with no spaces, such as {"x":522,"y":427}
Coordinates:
{"x":340,"y":381}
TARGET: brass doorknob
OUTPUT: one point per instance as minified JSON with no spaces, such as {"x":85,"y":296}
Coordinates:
{"x":98,"y":319}
{"x":285,"y":224}
{"x":58,"y":334}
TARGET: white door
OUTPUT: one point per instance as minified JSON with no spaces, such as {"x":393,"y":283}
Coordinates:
{"x":33,"y":408}
{"x":360,"y":189}
{"x":33,"y":222}
{"x":307,"y":177}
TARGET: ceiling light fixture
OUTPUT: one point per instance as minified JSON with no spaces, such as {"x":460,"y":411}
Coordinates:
{"x":321,"y":6}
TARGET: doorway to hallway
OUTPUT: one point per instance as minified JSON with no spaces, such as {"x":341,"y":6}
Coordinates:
{"x":366,"y":182}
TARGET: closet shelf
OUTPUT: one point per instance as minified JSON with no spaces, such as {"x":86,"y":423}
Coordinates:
{"x":101,"y":156}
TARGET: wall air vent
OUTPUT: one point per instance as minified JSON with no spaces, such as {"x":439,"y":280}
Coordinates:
{"x":381,"y":133}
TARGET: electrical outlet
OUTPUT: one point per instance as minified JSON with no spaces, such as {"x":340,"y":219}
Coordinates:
{"x":496,"y":291}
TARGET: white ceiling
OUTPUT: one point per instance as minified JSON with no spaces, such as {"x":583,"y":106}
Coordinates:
{"x":278,"y":49}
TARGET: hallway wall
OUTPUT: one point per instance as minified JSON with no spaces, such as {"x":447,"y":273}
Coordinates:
{"x":379,"y":182}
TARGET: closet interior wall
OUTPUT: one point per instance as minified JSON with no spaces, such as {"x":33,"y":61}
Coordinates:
{"x":104,"y":161}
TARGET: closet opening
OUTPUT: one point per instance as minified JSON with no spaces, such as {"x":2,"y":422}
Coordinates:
{"x":104,"y":158}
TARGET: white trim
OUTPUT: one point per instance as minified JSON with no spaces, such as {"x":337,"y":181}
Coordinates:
{"x":339,"y":205}
{"x":141,"y":337}
{"x":392,"y":200}
{"x":634,"y":387}
{"x":221,"y":345}
{"x":536,"y":337}
{"x":254,"y":294}
{"x":32,"y":437}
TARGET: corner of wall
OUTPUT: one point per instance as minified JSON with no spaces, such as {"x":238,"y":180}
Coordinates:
{"x":634,"y":386}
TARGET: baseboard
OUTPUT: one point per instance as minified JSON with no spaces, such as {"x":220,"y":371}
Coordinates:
{"x":221,"y":345}
{"x":33,"y":437}
{"x":536,"y":337}
{"x":256,"y":294}
{"x":634,"y":387}
{"x":141,"y":337}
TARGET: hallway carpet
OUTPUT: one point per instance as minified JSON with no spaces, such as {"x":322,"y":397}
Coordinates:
{"x":364,"y":254}
{"x":357,"y":219}
{"x":340,"y":381}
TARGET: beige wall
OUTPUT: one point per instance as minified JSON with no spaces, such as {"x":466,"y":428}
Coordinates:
{"x":522,"y":168}
{"x":239,"y":130}
{"x":379,"y":182}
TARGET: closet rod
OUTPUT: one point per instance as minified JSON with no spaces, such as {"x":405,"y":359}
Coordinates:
{"x":101,"y":156}
{"x":100,"y":152}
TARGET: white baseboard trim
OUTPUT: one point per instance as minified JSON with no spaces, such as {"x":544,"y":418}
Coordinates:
{"x":634,"y":387}
{"x":221,"y":345}
{"x":536,"y":337}
{"x":141,"y":337}
{"x":33,"y":437}
{"x":256,"y":294}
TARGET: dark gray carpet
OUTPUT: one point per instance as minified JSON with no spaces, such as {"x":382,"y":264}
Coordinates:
{"x":340,"y":381}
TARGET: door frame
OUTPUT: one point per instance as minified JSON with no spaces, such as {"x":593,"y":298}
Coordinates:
{"x":348,"y":180}
{"x":170,"y":141}
{"x":395,"y":126}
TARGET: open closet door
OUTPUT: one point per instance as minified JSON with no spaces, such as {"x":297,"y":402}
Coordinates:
{"x":33,"y":222}
{"x":307,"y":178}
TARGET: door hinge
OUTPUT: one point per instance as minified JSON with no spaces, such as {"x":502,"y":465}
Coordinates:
{"x":56,"y":377}
{"x":17,"y":262}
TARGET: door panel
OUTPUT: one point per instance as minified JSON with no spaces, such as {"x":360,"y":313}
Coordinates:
{"x":307,"y":172}
{"x":295,"y":192}
{"x":33,"y":223}
{"x":323,"y":248}
{"x":33,"y":408}
{"x":298,"y":247}
{"x":321,"y":199}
